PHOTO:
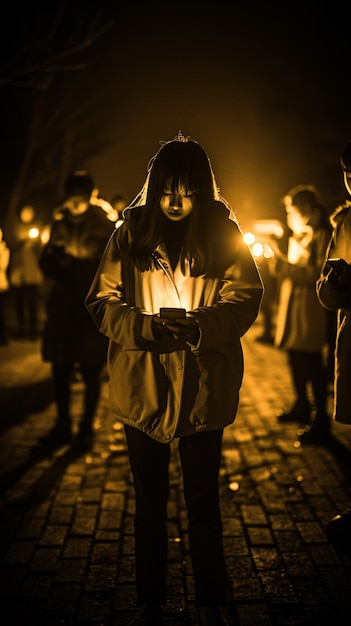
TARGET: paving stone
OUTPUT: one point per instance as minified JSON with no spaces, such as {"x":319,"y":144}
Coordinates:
{"x":76,"y":547}
{"x":54,"y":535}
{"x":67,"y":527}
{"x":300,"y":565}
{"x":63,"y":599}
{"x":45,"y":560}
{"x":71,"y":570}
{"x":101,"y":577}
{"x":19,"y":552}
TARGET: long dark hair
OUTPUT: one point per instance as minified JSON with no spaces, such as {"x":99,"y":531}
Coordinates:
{"x":185,"y":163}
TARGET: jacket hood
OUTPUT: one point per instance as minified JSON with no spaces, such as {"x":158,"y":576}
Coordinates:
{"x":340,"y":213}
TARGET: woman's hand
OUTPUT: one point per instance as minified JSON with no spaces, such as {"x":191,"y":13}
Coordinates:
{"x":180,"y":329}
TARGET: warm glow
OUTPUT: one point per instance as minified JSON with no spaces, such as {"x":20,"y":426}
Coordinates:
{"x":45,"y":235}
{"x":249,"y":238}
{"x":33,"y":233}
{"x":234,"y":485}
{"x":257,"y":249}
{"x":112,"y":215}
{"x":268,"y":252}
{"x":268,"y":228}
{"x":278,"y":231}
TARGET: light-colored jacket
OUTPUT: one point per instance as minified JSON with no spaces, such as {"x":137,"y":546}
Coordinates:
{"x":301,"y":322}
{"x":164,"y":388}
{"x":330,"y":298}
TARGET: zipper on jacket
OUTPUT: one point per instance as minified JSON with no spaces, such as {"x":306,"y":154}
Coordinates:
{"x":160,"y":262}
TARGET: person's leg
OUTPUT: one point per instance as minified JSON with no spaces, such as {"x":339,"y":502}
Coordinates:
{"x":318,"y":375}
{"x":61,"y":432}
{"x":200,"y":457}
{"x":319,"y":432}
{"x":91,"y":375}
{"x":149,"y":461}
{"x":18,"y":300}
{"x":32,"y":295}
{"x":301,"y":410}
{"x":62,"y":379}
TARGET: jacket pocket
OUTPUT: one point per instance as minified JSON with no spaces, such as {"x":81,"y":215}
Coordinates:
{"x":219,"y":384}
{"x":138,"y":387}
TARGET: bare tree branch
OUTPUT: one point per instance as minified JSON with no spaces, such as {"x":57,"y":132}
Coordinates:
{"x":50,"y":111}
{"x":21,"y":70}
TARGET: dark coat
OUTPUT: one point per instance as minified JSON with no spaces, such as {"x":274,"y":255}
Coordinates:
{"x":334,"y":299}
{"x":69,"y":261}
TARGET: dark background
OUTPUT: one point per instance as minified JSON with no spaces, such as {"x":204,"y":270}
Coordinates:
{"x":264,"y":88}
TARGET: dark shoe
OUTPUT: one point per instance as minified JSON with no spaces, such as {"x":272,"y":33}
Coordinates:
{"x":211,"y":616}
{"x":318,"y":434}
{"x":59,"y":436}
{"x":302,"y":416}
{"x":148,"y":615}
{"x":338,"y":531}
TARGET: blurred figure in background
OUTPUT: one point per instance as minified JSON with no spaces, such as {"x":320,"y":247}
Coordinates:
{"x":78,"y":236}
{"x":119,"y":203}
{"x":4,"y":286}
{"x":301,"y":324}
{"x":267,"y":270}
{"x":24,"y":273}
{"x":97,"y":200}
{"x":334,"y":293}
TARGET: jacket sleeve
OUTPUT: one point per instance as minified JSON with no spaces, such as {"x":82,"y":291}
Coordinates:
{"x":106,"y":302}
{"x":331,"y":298}
{"x":328,"y":294}
{"x":238,"y":303}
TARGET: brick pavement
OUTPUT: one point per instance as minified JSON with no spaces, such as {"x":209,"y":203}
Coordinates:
{"x":66,"y":520}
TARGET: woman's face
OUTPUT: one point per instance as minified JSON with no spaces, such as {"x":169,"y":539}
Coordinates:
{"x":177,"y":203}
{"x":76,"y":204}
{"x":296,"y":221}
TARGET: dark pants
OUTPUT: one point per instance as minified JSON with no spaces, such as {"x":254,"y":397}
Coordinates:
{"x":26,"y":300}
{"x":309,"y":367}
{"x":200,"y":456}
{"x":62,"y":375}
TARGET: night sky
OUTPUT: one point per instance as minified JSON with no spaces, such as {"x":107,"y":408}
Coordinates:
{"x":264,"y":89}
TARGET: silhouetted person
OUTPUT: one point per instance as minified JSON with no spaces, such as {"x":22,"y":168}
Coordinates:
{"x":25,"y":276}
{"x":4,"y":286}
{"x":176,"y":378}
{"x":78,"y":236}
{"x":301,"y":322}
{"x":334,"y":293}
{"x":119,"y":203}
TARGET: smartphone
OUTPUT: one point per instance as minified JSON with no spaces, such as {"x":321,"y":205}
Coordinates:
{"x":172,"y":313}
{"x":338,"y":264}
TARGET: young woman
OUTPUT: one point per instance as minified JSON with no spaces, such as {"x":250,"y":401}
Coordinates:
{"x":302,"y":323}
{"x":176,"y":377}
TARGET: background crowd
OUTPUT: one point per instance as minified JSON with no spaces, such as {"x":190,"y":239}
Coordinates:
{"x":46,"y":271}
